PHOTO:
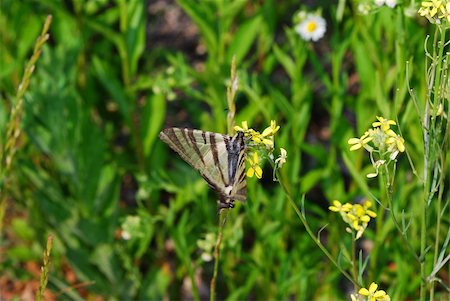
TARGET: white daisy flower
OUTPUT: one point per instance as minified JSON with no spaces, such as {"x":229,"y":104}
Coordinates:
{"x":313,"y":28}
{"x":379,"y":2}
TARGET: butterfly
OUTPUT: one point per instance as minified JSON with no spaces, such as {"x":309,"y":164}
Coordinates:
{"x":219,"y":158}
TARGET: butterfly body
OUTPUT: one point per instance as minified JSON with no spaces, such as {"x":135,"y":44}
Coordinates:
{"x":219,"y":158}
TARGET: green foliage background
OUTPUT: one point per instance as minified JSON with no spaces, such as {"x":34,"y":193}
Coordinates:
{"x":90,"y":155}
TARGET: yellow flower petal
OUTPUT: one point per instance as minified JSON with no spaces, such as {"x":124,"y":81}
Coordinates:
{"x":268,"y":131}
{"x":373,"y":287}
{"x":337,"y":203}
{"x":365,"y":218}
{"x":347,"y":207}
{"x":255,"y":158}
{"x":355,"y":147}
{"x":379,"y":294}
{"x":334,"y":209}
{"x":258,"y":172}
{"x":363,"y":291}
{"x":371,"y":213}
{"x":268,"y":142}
{"x":353,"y":141}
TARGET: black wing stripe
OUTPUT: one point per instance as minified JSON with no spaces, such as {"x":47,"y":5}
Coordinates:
{"x":215,"y":155}
{"x":204,"y":136}
{"x":172,"y":136}
{"x":190,"y":134}
{"x":241,"y":177}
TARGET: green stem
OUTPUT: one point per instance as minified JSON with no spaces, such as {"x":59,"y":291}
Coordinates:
{"x":395,"y":220}
{"x":223,"y":213}
{"x":354,"y":263}
{"x":429,"y":137}
{"x":379,"y":222}
{"x":436,"y":101}
{"x":222,"y":220}
{"x":312,"y":235}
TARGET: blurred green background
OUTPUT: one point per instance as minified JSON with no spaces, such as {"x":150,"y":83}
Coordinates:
{"x":126,"y":213}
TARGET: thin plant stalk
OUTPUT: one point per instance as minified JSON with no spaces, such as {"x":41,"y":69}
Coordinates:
{"x":388,"y":193}
{"x":13,"y":131}
{"x":355,"y":282}
{"x":223,"y":213}
{"x":44,"y":270}
{"x":354,"y":266}
{"x":430,"y":136}
{"x":222,"y":220}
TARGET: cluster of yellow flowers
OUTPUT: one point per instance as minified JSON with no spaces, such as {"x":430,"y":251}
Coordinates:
{"x":256,"y":137}
{"x":435,"y":10}
{"x":356,"y":215}
{"x":370,"y":294}
{"x":383,"y":140}
{"x":257,"y":141}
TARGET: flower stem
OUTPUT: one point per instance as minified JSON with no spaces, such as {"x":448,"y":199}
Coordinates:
{"x":430,"y":137}
{"x":223,"y":213}
{"x":405,"y":239}
{"x":222,"y":220}
{"x":312,"y":235}
{"x":354,"y":263}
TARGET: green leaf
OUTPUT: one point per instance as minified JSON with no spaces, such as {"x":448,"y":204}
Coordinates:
{"x":244,"y":38}
{"x":198,"y":14}
{"x":22,"y":229}
{"x":285,"y":60}
{"x":152,"y":121}
{"x":113,"y":86}
{"x":310,"y":180}
{"x":135,"y":34}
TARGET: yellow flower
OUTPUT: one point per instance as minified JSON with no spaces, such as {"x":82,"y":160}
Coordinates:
{"x":357,"y":216}
{"x":258,"y":139}
{"x":429,"y":9}
{"x":367,"y":205}
{"x":447,"y":11}
{"x":383,"y":123}
{"x":254,"y":169}
{"x":424,"y":11}
{"x":397,"y":140}
{"x":271,"y":130}
{"x":373,"y":294}
{"x":282,"y":158}
{"x":433,"y":5}
{"x":357,"y":143}
{"x":338,"y":207}
{"x":244,"y":127}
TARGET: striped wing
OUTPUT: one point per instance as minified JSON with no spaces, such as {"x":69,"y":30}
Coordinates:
{"x":220,"y":159}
